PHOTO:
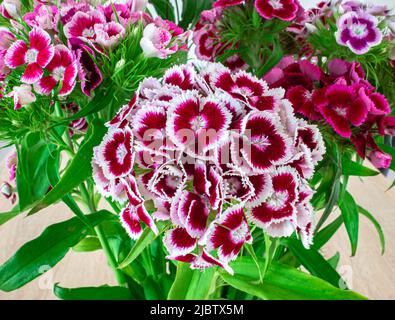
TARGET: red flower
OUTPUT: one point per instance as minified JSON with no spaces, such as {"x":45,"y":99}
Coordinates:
{"x":342,"y":106}
{"x":282,"y":9}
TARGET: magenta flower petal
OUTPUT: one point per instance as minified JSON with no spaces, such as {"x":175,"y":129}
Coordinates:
{"x":115,"y":153}
{"x":280,"y":206}
{"x":32,"y":73}
{"x":15,"y":55}
{"x":178,"y":242}
{"x":131,"y":222}
{"x":283,"y":9}
{"x":229,"y":233}
{"x":264,"y":144}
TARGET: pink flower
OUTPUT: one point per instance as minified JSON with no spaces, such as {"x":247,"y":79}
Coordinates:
{"x":22,"y":95}
{"x":358,"y":31}
{"x":161,"y":39}
{"x":35,"y":55}
{"x":82,"y":25}
{"x":6,"y":38}
{"x":227,"y":3}
{"x":11,"y":9}
{"x":282,"y":9}
{"x":109,"y":34}
{"x":379,"y":159}
{"x":44,"y":16}
{"x":62,"y":69}
{"x":131,"y":218}
{"x":342,"y":106}
{"x":11,"y":163}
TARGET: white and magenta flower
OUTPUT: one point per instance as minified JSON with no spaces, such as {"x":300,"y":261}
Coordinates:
{"x":62,"y":69}
{"x":197,"y":124}
{"x":6,"y":38}
{"x":23,"y":95}
{"x":264,"y":143}
{"x":115,"y":154}
{"x":35,"y":55}
{"x":11,"y":9}
{"x":161,"y":39}
{"x":278,"y":211}
{"x":358,"y":31}
{"x":282,"y":9}
{"x":228,"y":233}
{"x":82,"y":25}
{"x":44,"y":16}
{"x":109,"y":34}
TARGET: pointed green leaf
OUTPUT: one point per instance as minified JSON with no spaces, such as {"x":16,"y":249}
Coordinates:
{"x":349,"y":210}
{"x":282,"y":282}
{"x":376,"y":224}
{"x":39,"y":255}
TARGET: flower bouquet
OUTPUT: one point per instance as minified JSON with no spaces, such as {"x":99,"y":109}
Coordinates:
{"x":202,"y":145}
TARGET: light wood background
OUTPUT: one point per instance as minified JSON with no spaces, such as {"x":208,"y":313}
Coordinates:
{"x":368,"y":273}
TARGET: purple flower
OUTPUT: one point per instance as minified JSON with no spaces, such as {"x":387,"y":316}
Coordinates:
{"x":358,"y":31}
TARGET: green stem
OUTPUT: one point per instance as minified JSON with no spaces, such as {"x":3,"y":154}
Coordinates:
{"x":103,"y":239}
{"x":110,"y":256}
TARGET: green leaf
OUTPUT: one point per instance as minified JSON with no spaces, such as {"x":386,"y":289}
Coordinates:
{"x":152,"y":289}
{"x":78,"y":171}
{"x":334,"y":260}
{"x":313,"y":261}
{"x":376,"y":224}
{"x":349,"y":210}
{"x":45,"y":251}
{"x":87,"y":244}
{"x":31,"y":176}
{"x":5,"y":216}
{"x":282,"y":282}
{"x":93,"y":293}
{"x":165,"y":9}
{"x":143,"y":242}
{"x":322,"y":237}
{"x":191,"y":284}
{"x":191,"y":12}
{"x":351,"y":168}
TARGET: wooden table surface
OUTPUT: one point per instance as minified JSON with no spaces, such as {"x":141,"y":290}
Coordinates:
{"x":368,"y":273}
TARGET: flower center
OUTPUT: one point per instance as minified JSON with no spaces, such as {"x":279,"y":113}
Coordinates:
{"x":198,"y":123}
{"x":341,"y":111}
{"x":88,"y":33}
{"x":276,"y":4}
{"x":233,"y":185}
{"x":308,"y":95}
{"x":58,"y":73}
{"x":239,"y":234}
{"x":359,"y":30}
{"x":278,"y":199}
{"x":31,"y":56}
{"x":121,"y":153}
{"x":262,"y":141}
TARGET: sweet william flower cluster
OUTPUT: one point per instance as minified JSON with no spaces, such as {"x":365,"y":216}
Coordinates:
{"x":216,"y":152}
